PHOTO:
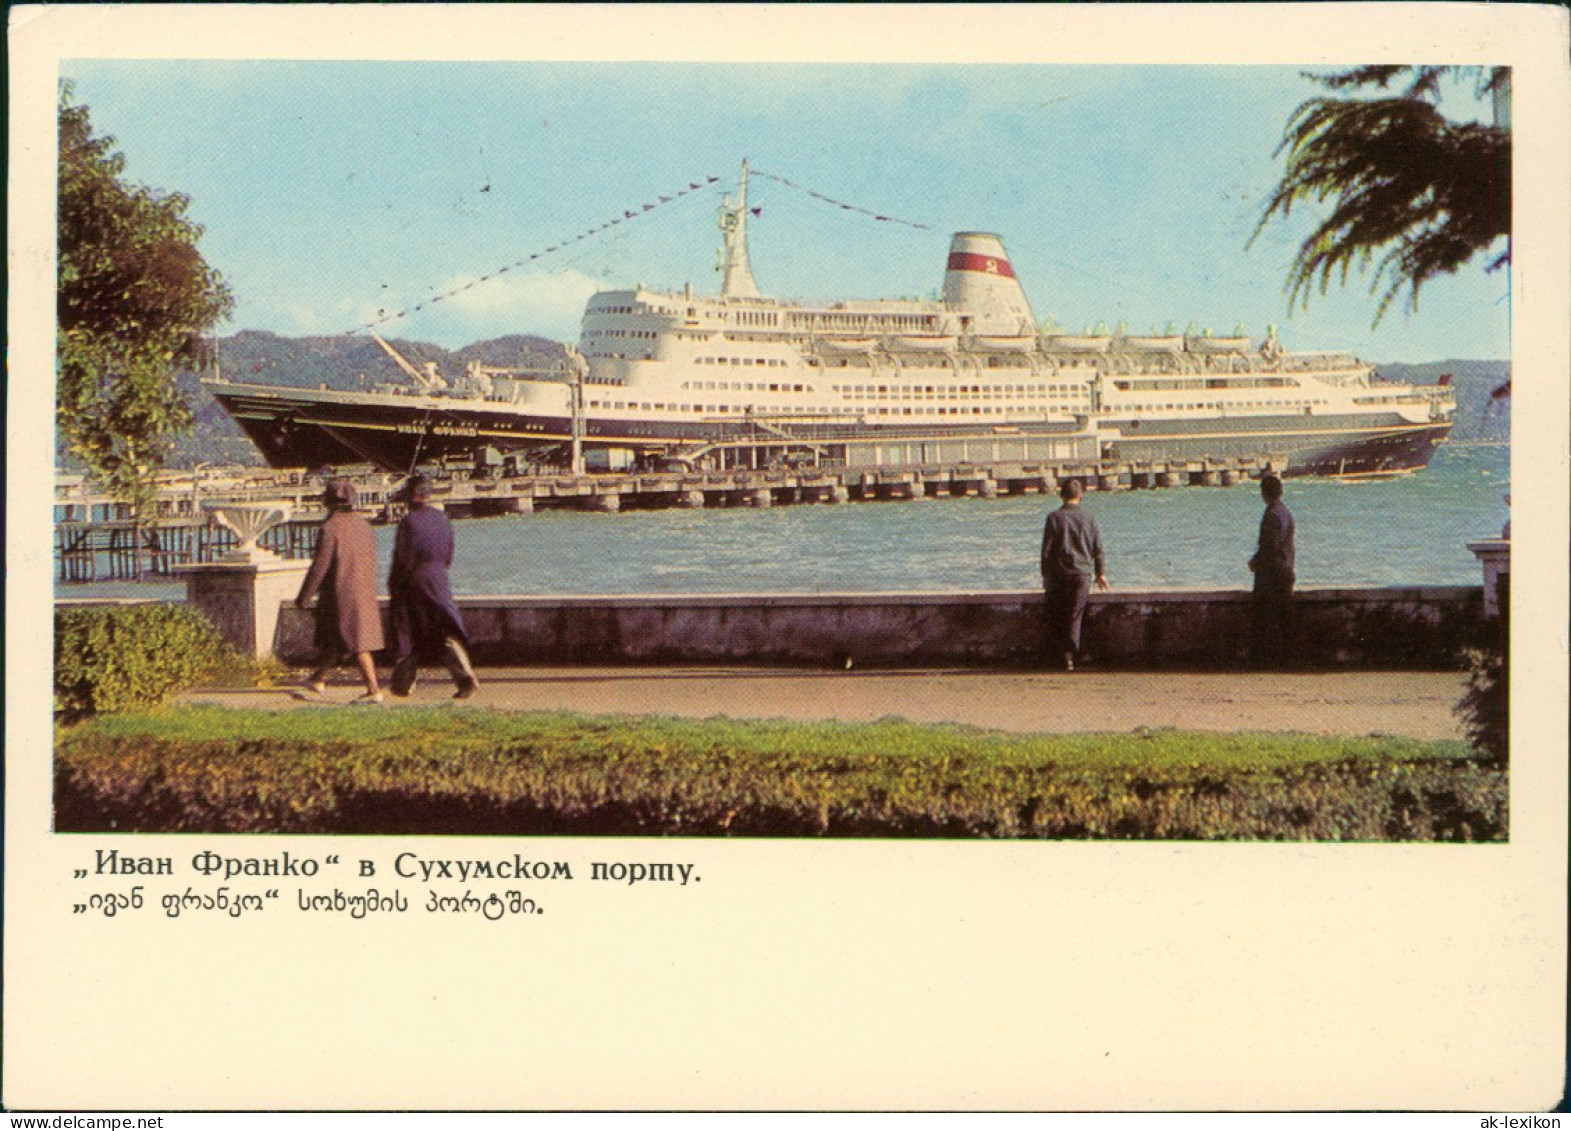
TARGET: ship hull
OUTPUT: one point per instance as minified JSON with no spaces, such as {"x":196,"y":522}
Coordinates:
{"x":1362,"y":444}
{"x":305,"y":428}
{"x":312,"y":429}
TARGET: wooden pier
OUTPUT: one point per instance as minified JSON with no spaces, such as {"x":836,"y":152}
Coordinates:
{"x":780,"y":486}
{"x":118,"y":549}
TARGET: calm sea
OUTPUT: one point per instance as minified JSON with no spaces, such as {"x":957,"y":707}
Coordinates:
{"x":1408,"y":531}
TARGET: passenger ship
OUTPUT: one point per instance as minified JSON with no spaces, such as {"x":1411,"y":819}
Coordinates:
{"x":719,"y":380}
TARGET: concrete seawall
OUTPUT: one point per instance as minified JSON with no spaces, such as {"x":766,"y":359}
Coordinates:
{"x":1396,"y":628}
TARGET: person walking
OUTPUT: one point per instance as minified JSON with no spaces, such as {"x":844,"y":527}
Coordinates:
{"x":1072,"y":561}
{"x":343,"y":575}
{"x":1271,"y":608}
{"x":425,"y":619}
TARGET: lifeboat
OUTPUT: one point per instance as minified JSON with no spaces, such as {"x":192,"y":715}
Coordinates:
{"x":1157,"y":343}
{"x":845,"y":347}
{"x":921,"y":343}
{"x":1078,"y":343}
{"x":1013,"y":344}
{"x":1217,"y":345}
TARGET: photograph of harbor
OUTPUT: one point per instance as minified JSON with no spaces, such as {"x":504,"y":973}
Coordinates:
{"x":746,"y":436}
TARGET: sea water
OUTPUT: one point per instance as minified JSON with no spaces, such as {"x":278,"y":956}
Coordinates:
{"x":1410,"y":530}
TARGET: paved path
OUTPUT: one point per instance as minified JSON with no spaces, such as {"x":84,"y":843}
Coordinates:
{"x":1418,"y":704}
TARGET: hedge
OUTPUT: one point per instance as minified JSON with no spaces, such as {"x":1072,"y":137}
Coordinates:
{"x":444,"y":773}
{"x":126,"y":657}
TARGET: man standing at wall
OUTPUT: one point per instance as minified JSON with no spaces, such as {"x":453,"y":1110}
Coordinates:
{"x":1272,"y":607}
{"x":425,"y":619}
{"x":1071,"y":559}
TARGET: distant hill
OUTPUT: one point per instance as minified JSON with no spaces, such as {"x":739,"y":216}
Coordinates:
{"x":358,"y":362}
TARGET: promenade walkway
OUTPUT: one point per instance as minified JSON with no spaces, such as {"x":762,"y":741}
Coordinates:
{"x":1415,"y":704}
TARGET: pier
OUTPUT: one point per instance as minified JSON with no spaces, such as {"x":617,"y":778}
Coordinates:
{"x":785,"y":485}
{"x":95,"y":539}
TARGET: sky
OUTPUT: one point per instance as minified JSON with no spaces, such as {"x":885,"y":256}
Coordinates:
{"x":332,"y":193}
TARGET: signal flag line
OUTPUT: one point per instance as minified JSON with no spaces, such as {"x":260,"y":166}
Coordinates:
{"x":840,"y":203}
{"x":627,"y":214}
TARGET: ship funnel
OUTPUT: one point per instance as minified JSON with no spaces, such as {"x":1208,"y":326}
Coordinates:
{"x":980,"y":286}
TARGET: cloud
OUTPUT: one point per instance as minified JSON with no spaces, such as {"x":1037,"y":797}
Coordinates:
{"x":518,"y":302}
{"x":547,"y":303}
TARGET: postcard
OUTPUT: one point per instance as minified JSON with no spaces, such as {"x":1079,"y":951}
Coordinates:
{"x":785,"y":423}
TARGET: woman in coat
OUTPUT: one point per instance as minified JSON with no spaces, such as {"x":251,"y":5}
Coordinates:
{"x":343,"y":574}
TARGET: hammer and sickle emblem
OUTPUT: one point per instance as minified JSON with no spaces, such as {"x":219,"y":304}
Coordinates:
{"x":992,"y":266}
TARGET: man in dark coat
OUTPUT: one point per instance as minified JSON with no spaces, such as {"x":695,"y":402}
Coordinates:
{"x":343,"y":574}
{"x":1272,"y":605}
{"x":425,"y":618}
{"x":1072,"y":562}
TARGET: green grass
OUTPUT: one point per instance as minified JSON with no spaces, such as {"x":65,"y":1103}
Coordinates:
{"x":446,"y":771}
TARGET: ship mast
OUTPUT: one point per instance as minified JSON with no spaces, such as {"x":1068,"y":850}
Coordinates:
{"x":738,"y":278}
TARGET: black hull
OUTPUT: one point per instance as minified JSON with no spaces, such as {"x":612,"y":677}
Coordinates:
{"x":1371,"y":444}
{"x":301,"y":428}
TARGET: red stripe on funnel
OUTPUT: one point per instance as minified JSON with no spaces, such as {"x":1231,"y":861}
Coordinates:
{"x":985,"y":264}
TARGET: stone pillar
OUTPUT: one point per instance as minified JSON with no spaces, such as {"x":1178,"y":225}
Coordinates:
{"x":763,"y":497}
{"x":1494,"y":554}
{"x":243,"y":598}
{"x":608,"y":503}
{"x":839,"y":494}
{"x":989,"y":488}
{"x":693,"y":500}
